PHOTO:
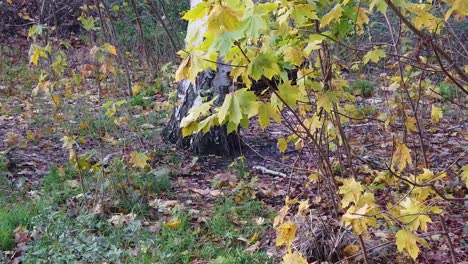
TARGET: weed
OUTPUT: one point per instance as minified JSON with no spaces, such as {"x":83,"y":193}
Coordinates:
{"x":239,"y":165}
{"x":363,"y":88}
{"x":230,"y":221}
{"x":448,"y":91}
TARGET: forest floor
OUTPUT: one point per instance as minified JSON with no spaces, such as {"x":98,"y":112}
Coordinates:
{"x":180,"y":208}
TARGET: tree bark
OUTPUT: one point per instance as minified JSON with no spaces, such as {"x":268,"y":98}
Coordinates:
{"x":216,"y":141}
{"x":208,"y":85}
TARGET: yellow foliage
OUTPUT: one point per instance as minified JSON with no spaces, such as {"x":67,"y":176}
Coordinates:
{"x":286,"y":234}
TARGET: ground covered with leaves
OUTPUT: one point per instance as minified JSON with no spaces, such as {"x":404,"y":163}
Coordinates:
{"x":345,"y":157}
{"x":151,"y":203}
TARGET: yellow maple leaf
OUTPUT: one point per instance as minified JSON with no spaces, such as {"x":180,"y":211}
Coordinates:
{"x":56,"y":99}
{"x":223,"y":18}
{"x":138,"y":159}
{"x":402,"y":156}
{"x":303,"y":206}
{"x":334,"y":14}
{"x":406,"y":240}
{"x":193,"y":63}
{"x":374,"y":55}
{"x":362,"y":19}
{"x":294,"y":258}
{"x":282,"y":144}
{"x":414,"y":214}
{"x":286,"y":234}
{"x":436,"y":114}
{"x":294,"y":55}
{"x":464,"y":175}
{"x":281,"y":215}
{"x":350,"y":250}
{"x":110,"y":48}
{"x":173,"y":224}
{"x":356,"y":217}
{"x":351,"y":190}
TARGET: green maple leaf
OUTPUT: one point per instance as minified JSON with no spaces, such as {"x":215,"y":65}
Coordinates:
{"x":237,"y":108}
{"x":224,"y":42}
{"x":302,"y":12}
{"x":326,"y":100}
{"x":264,"y":64}
{"x":374,"y":55}
{"x":289,"y":93}
{"x":87,"y":22}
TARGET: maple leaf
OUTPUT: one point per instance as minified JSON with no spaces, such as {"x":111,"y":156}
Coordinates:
{"x":294,"y":55}
{"x":436,"y":114}
{"x":334,"y":14}
{"x":379,"y":4}
{"x":402,"y":157}
{"x":374,"y":55}
{"x":286,"y":234}
{"x":282,"y":144}
{"x":302,"y":12}
{"x":410,"y":124}
{"x":264,"y":115}
{"x":281,"y":215}
{"x":356,"y":217}
{"x":302,"y":208}
{"x":290,"y":93}
{"x":263,"y":64}
{"x":255,"y":20}
{"x":414,"y":214}
{"x":362,"y":18}
{"x":110,"y":48}
{"x":326,"y":100}
{"x":173,"y":224}
{"x":351,"y":190}
{"x":464,"y":175}
{"x":197,"y":12}
{"x":460,"y":7}
{"x":138,"y":159}
{"x":195,"y":62}
{"x":294,"y":258}
{"x":223,"y":18}
{"x":406,"y":240}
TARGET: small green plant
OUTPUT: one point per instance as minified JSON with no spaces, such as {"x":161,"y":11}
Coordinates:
{"x":228,"y":216}
{"x":10,"y":219}
{"x":239,"y":165}
{"x":363,"y":88}
{"x":448,"y":91}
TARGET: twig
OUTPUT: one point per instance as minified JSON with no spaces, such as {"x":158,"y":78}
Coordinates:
{"x":446,"y":233}
{"x":363,"y":249}
{"x":268,"y":171}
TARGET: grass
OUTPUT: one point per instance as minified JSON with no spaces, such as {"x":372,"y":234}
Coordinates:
{"x":15,"y":210}
{"x":363,"y":88}
{"x":73,"y":233}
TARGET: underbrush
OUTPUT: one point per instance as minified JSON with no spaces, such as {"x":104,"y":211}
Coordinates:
{"x":69,"y":228}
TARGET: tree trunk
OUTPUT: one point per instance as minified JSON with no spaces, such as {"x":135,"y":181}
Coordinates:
{"x":208,"y":84}
{"x":216,"y":141}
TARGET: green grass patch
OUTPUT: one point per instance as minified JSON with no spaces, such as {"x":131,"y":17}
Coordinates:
{"x":363,"y":88}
